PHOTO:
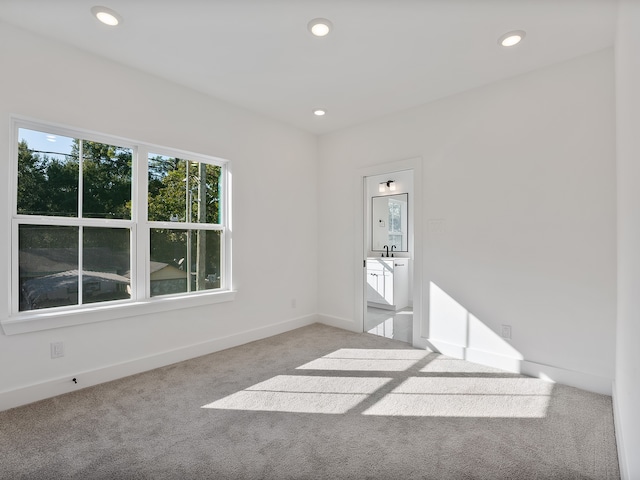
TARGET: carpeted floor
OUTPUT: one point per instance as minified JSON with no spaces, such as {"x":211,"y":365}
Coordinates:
{"x":317,"y":402}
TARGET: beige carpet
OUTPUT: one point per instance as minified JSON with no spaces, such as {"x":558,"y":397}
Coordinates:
{"x":314,"y":403}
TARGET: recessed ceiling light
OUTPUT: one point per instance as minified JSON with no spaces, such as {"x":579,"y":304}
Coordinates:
{"x":106,"y":16}
{"x":320,"y":27}
{"x":510,"y":39}
{"x":319,"y":112}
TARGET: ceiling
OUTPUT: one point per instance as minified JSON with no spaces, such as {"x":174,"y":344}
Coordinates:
{"x":382,"y":56}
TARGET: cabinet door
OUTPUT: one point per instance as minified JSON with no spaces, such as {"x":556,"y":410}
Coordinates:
{"x":375,"y":285}
{"x":380,"y":282}
{"x":388,"y":287}
{"x":400,"y":284}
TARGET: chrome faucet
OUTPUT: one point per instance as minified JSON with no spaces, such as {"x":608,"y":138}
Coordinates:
{"x":387,"y":247}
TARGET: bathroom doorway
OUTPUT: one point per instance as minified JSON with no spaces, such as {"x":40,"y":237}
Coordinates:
{"x":389,"y":246}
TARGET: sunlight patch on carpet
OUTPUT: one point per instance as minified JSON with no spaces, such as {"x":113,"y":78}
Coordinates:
{"x":367,"y":360}
{"x":302,"y":394}
{"x":454,"y":365}
{"x":466,"y":397}
{"x":405,"y":383}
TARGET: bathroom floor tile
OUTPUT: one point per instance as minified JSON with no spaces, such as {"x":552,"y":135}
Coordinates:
{"x":390,"y":324}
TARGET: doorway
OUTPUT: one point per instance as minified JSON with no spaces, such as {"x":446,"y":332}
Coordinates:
{"x":389,"y":246}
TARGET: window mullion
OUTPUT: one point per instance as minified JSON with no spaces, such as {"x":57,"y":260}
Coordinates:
{"x":187,"y":216}
{"x":226,"y":279}
{"x":80,"y":207}
{"x":15,"y":267}
{"x":80,"y":177}
{"x":47,"y":220}
{"x":80,"y":262}
{"x":187,"y":226}
{"x":140,"y":243}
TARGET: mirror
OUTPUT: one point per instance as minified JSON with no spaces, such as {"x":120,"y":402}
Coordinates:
{"x":389,"y":222}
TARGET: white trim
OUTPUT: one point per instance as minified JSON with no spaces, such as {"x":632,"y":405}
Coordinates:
{"x":141,"y":261}
{"x":182,"y":154}
{"x":420,"y":328}
{"x":30,"y":123}
{"x":140,"y":303}
{"x":184,"y":226}
{"x":72,"y":221}
{"x":58,"y":386}
{"x":449,"y":349}
{"x":338,"y":322}
{"x":13,"y":261}
{"x":572,"y":378}
{"x":481,"y":357}
{"x":617,"y":425}
{"x":81,"y":264}
{"x":100,"y":312}
{"x":226,"y":252}
{"x":80,"y":214}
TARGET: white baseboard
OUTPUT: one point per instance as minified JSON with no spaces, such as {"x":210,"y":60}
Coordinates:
{"x":584,"y":381}
{"x":344,"y":323}
{"x":58,"y":386}
{"x":572,"y":378}
{"x":446,"y":348}
{"x":490,"y":359}
{"x":622,"y":457}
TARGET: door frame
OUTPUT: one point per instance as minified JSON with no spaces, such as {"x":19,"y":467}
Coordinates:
{"x":420,"y":326}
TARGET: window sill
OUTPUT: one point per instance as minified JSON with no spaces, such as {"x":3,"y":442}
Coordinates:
{"x":33,"y":322}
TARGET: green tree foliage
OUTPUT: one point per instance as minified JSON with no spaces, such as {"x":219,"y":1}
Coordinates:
{"x":48,"y":237}
{"x":168,"y":191}
{"x":46,"y":185}
{"x":106,"y":175}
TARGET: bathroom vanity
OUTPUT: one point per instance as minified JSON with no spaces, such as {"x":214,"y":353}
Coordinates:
{"x":388,"y":282}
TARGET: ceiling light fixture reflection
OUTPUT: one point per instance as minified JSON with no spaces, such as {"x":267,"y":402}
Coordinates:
{"x":320,"y":27}
{"x":510,"y":39}
{"x":106,"y":16}
{"x":319,"y":112}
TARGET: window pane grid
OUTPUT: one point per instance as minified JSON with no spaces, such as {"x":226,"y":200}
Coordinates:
{"x":37,"y":220}
{"x":106,"y":264}
{"x":106,"y":180}
{"x":48,"y":266}
{"x":184,"y":260}
{"x":186,"y":226}
{"x":181,"y":223}
{"x":182,"y":190}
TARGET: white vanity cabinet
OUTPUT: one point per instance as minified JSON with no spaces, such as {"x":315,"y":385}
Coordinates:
{"x":388,"y":282}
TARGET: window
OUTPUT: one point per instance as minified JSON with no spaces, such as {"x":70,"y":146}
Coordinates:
{"x":185,"y":257}
{"x":98,"y":220}
{"x":395,"y":223}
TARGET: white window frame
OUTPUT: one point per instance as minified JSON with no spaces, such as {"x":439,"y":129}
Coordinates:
{"x":140,"y":302}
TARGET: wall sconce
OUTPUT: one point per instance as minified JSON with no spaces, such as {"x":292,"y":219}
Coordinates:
{"x":390,"y":184}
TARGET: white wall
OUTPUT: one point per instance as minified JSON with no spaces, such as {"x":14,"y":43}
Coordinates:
{"x":522,"y":172}
{"x":275,"y":213}
{"x":627,"y":383}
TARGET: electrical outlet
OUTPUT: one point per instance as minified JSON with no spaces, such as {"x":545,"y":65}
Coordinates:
{"x":57,"y":349}
{"x":506,"y":331}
